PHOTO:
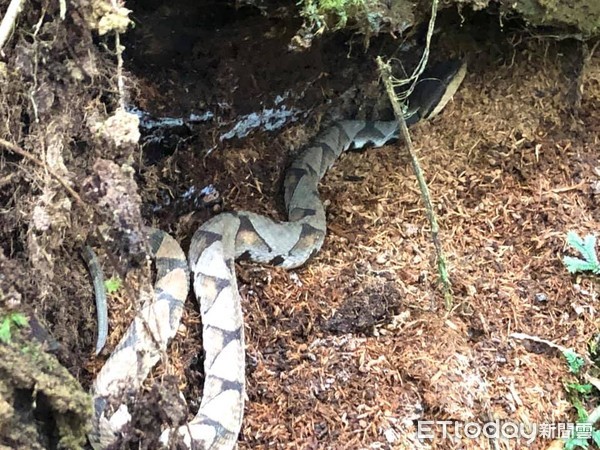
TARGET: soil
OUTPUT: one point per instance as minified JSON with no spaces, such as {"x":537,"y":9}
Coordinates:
{"x":352,"y":349}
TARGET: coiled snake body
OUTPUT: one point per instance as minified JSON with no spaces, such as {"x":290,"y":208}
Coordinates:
{"x":214,"y":248}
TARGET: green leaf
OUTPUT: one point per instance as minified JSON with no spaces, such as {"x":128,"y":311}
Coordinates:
{"x":112,"y":285}
{"x":582,"y":414}
{"x":596,"y":437}
{"x":575,"y":265}
{"x":5,"y":330}
{"x":580,"y":388}
{"x":574,"y":443}
{"x":19,"y":319}
{"x":576,"y":242}
{"x":574,"y":361}
{"x":587,"y":248}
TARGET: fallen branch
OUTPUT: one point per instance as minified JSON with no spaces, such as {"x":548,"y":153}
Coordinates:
{"x":561,"y":348}
{"x":25,"y":154}
{"x":386,"y":75}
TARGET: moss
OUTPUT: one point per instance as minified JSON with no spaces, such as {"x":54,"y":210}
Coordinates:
{"x":583,"y":15}
{"x":374,"y":16}
{"x":37,"y":394}
{"x":369,"y":16}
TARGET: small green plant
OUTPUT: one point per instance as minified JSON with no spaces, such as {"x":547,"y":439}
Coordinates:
{"x":582,"y":432}
{"x":579,"y":393}
{"x":335,"y":14}
{"x":8,"y":322}
{"x":583,"y":429}
{"x":112,"y":285}
{"x":580,"y":388}
{"x":587,"y":248}
{"x":574,"y":361}
{"x":576,"y":442}
{"x":317,"y":11}
{"x":576,"y":396}
{"x":596,"y":437}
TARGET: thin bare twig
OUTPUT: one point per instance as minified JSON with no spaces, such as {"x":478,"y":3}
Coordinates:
{"x":563,"y":349}
{"x":391,"y":83}
{"x":25,"y":154}
{"x":386,"y":75}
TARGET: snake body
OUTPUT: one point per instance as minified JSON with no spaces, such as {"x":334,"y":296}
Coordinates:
{"x":142,"y":344}
{"x":214,"y":248}
{"x":95,"y":269}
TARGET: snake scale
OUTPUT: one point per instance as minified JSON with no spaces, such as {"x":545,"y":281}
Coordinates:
{"x":214,"y":248}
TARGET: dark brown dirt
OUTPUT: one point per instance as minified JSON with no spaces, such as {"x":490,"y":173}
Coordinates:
{"x":350,"y":350}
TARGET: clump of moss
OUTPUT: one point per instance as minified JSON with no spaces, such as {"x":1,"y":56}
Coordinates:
{"x":368,"y":17}
{"x":333,"y":14}
{"x":41,"y":404}
{"x":582,"y":15}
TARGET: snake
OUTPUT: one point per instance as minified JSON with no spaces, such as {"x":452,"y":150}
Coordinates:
{"x":93,"y":264}
{"x":214,"y":248}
